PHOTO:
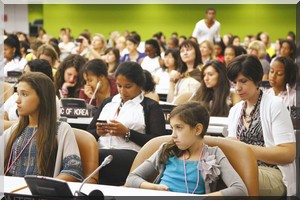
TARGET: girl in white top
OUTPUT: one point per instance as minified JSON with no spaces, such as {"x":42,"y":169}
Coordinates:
{"x":13,"y":60}
{"x":263,"y":122}
{"x":152,"y":62}
{"x":282,"y":78}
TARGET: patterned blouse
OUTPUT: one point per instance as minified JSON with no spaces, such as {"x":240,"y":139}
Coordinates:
{"x":254,"y":134}
{"x":26,"y":164}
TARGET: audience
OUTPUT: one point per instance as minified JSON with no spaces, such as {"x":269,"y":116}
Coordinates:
{"x":282,"y":78}
{"x":214,"y":91}
{"x":68,"y":78}
{"x":263,"y":122}
{"x":38,"y":144}
{"x":130,"y":120}
{"x":258,"y":49}
{"x":13,"y":60}
{"x":97,"y":83}
{"x":189,"y":79}
{"x":112,"y":59}
{"x":188,"y":150}
{"x":152,"y":62}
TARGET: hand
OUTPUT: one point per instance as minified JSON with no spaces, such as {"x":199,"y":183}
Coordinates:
{"x":161,"y":187}
{"x":101,"y":128}
{"x":66,"y":85}
{"x":88,"y":91}
{"x":116,"y":128}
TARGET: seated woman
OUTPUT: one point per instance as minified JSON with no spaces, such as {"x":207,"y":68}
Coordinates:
{"x":189,"y":78}
{"x":131,"y":120}
{"x":133,"y":54}
{"x":69,"y":79}
{"x":282,"y":78}
{"x":182,"y":163}
{"x":112,"y":59}
{"x":207,"y":51}
{"x":263,"y":122}
{"x":38,"y":144}
{"x":214,"y":91}
{"x":95,"y":73}
{"x":10,"y":106}
{"x":152,"y":62}
{"x":47,"y":52}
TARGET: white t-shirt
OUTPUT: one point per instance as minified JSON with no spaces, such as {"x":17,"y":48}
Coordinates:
{"x":202,"y":32}
{"x":15,"y":65}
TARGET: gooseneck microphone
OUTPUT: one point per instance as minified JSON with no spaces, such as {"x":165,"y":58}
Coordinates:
{"x":105,"y":162}
{"x":93,"y":96}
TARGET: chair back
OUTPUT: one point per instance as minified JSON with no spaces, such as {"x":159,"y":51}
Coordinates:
{"x":88,"y":148}
{"x":239,"y":155}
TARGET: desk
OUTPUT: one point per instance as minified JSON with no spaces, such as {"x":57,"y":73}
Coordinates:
{"x":12,"y":183}
{"x":80,"y":122}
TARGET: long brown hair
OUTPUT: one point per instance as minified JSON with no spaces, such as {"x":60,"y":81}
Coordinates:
{"x":191,"y":113}
{"x":46,"y":140}
{"x":217,"y":96}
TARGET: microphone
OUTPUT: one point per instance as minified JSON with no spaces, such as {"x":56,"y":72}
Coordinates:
{"x":93,"y":96}
{"x":98,"y":193}
{"x":11,"y":87}
{"x":288,"y":94}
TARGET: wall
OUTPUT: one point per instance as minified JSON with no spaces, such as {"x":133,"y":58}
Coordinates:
{"x":17,"y":18}
{"x":147,"y":19}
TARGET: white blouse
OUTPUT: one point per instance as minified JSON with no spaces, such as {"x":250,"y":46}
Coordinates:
{"x":130,"y":115}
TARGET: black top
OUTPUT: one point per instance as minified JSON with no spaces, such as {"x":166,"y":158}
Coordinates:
{"x":154,"y":121}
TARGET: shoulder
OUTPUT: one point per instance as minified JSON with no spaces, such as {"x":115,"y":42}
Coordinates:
{"x":149,"y":102}
{"x":271,"y":100}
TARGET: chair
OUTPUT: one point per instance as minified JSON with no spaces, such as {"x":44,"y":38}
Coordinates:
{"x":88,"y":148}
{"x":8,"y":90}
{"x":238,"y":154}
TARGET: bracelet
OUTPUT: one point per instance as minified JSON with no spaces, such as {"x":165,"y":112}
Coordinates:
{"x":127,"y":136}
{"x":64,"y":91}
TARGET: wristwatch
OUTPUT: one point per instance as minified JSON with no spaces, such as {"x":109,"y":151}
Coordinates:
{"x":127,"y":136}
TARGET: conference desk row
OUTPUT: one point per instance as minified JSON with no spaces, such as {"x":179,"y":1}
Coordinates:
{"x":217,"y":125}
{"x":11,"y":184}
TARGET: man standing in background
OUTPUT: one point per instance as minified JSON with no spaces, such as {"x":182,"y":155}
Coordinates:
{"x":208,"y":28}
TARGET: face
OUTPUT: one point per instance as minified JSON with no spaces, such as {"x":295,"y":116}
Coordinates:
{"x":285,"y":50}
{"x":183,"y":134}
{"x":91,"y":80}
{"x":110,"y":57}
{"x":244,"y":87}
{"x":229,"y":55}
{"x":210,"y":77}
{"x":28,"y":101}
{"x":187,"y":54}
{"x":48,"y":58}
{"x":130,"y":46}
{"x":70,"y":75}
{"x":277,"y":75}
{"x":210,"y":15}
{"x":246,"y":42}
{"x":171,"y":44}
{"x":150,"y":51}
{"x":8,"y":52}
{"x":204,"y":49}
{"x":169,"y":60}
{"x":264,"y":38}
{"x":236,"y":42}
{"x":252,"y":51}
{"x":127,"y":89}
{"x":97,"y":42}
{"x":217,"y":50}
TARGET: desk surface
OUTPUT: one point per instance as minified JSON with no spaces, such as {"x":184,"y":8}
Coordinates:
{"x":12,"y":183}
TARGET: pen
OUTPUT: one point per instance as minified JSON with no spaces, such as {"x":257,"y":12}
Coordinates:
{"x":18,"y":189}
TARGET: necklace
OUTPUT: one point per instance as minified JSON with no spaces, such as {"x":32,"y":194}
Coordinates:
{"x":9,"y":165}
{"x":198,"y":173}
{"x":248,"y":117}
